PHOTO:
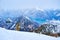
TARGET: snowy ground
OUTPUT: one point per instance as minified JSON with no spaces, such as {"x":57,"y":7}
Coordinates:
{"x":16,"y":35}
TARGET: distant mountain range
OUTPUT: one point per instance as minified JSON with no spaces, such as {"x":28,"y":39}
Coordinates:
{"x":28,"y":17}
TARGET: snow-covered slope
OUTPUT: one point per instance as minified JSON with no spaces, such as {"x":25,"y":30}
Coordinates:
{"x":16,"y":35}
{"x":52,"y":26}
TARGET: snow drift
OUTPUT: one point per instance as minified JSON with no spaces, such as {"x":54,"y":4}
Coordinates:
{"x":16,"y":35}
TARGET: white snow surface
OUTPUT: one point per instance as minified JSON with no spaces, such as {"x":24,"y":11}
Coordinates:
{"x":18,"y":35}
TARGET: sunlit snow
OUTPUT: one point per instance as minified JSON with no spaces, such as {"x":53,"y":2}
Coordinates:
{"x":16,"y":35}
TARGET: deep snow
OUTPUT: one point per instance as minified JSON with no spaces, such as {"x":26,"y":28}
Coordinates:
{"x":18,"y":35}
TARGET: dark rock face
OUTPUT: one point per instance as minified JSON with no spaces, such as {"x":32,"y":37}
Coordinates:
{"x":48,"y":29}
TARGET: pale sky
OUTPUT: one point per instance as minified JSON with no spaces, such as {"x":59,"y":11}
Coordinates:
{"x":27,"y":4}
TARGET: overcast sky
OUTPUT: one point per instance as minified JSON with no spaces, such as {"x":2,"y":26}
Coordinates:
{"x":26,"y":4}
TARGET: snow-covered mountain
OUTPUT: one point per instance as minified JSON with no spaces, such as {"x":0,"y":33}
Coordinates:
{"x":29,"y":16}
{"x":41,"y":16}
{"x":52,"y":26}
{"x":34,"y":14}
{"x":23,"y":21}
